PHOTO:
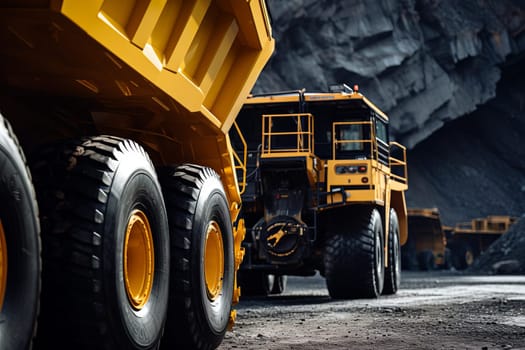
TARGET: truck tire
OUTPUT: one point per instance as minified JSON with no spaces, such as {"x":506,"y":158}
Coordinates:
{"x":354,"y":260}
{"x":20,"y":264}
{"x":203,"y":272}
{"x":426,"y":260}
{"x":393,"y":270}
{"x":256,"y":283}
{"x":447,"y":264}
{"x":279,"y":284}
{"x":106,"y":247}
{"x":462,"y":255}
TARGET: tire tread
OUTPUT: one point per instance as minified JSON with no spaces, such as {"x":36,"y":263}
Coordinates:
{"x":74,"y":186}
{"x":349,"y":258}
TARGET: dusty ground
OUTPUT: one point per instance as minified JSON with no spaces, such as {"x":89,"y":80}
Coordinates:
{"x":438,"y":311}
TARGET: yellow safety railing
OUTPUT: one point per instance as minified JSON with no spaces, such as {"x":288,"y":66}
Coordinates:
{"x":490,"y":224}
{"x":360,"y":142}
{"x":240,"y":164}
{"x":292,"y":141}
{"x":396,"y":163}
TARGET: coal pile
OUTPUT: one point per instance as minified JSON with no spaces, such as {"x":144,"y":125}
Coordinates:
{"x":506,"y":255}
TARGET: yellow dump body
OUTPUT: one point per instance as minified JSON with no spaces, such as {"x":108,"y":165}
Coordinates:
{"x":469,"y":239}
{"x":426,"y":233}
{"x":494,"y":224}
{"x":170,"y":74}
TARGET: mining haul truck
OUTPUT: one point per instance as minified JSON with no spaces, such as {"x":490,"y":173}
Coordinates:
{"x":426,"y":248}
{"x":119,"y":198}
{"x":467,"y":240}
{"x":324,"y":191}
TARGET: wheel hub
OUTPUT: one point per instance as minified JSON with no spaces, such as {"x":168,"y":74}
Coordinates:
{"x":3,"y":265}
{"x":138,"y":259}
{"x":397,"y":257}
{"x":469,"y":258}
{"x":379,"y":260}
{"x":214,"y":261}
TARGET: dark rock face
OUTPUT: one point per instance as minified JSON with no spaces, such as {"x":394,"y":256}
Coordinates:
{"x":475,"y":166}
{"x":424,"y":62}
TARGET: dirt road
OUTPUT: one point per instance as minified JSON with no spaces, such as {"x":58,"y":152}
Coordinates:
{"x":442,"y":310}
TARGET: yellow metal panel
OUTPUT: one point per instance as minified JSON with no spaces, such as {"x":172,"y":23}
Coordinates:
{"x":146,"y":23}
{"x":118,"y":13}
{"x":222,"y":76}
{"x":143,"y":48}
{"x":236,"y":84}
{"x":167,"y":29}
{"x":134,"y":19}
{"x":188,"y":25}
{"x":225,"y":33}
{"x":199,"y":48}
{"x":398,"y":202}
{"x":256,"y":17}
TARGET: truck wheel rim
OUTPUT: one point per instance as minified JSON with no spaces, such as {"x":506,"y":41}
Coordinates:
{"x":214,"y":261}
{"x":469,"y":258}
{"x":3,"y":265}
{"x":379,"y":260}
{"x":138,"y":259}
{"x":397,"y":256}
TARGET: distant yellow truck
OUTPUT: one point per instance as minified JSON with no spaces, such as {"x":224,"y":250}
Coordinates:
{"x":426,"y":248}
{"x":433,"y":245}
{"x":123,"y":108}
{"x":325,"y":192}
{"x":469,"y":239}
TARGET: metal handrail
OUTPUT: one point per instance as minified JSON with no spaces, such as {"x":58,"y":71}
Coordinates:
{"x":396,"y":162}
{"x":373,"y":150}
{"x":301,"y":135}
{"x":240,"y":164}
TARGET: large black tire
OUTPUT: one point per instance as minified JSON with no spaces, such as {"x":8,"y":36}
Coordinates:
{"x":19,"y":246}
{"x":279,"y":284}
{"x":409,"y":254}
{"x":447,"y":264}
{"x":202,"y":285}
{"x":354,"y":260}
{"x":463,"y":255}
{"x":256,"y":283}
{"x":106,"y":247}
{"x":426,"y":260}
{"x":393,"y":270}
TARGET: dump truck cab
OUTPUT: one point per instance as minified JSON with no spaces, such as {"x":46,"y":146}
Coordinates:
{"x":319,"y":165}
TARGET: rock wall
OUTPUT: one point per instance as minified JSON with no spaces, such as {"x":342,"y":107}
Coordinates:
{"x":424,"y":62}
{"x":475,"y":165}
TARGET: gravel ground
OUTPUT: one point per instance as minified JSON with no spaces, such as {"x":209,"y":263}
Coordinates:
{"x":443,"y":310}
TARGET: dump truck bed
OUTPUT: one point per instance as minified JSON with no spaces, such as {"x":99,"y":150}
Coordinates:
{"x":120,"y":49}
{"x":172,"y":74}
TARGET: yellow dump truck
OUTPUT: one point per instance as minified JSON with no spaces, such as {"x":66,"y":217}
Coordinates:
{"x":469,"y":239}
{"x":432,"y":245}
{"x":426,"y":248}
{"x":121,"y":225}
{"x":324,"y":192}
